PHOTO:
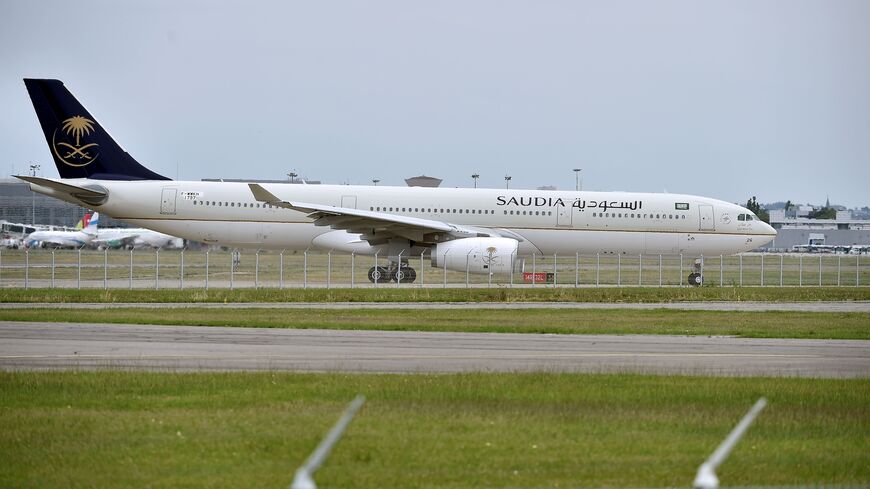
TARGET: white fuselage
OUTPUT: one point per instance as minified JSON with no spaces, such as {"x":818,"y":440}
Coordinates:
{"x":58,"y":239}
{"x":544,"y":222}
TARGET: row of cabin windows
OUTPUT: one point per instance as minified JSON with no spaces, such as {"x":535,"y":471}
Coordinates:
{"x":430,"y":210}
{"x":232,"y":204}
{"x":638,"y":215}
{"x":531,"y":213}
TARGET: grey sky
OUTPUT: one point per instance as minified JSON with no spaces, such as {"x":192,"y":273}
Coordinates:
{"x":719,"y":98}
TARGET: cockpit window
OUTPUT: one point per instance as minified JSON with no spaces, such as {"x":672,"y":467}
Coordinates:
{"x":741,"y":217}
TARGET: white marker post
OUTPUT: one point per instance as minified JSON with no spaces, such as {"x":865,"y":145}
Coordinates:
{"x":706,"y":477}
{"x":304,"y":475}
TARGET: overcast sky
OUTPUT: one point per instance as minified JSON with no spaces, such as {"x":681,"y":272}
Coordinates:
{"x":725,"y":99}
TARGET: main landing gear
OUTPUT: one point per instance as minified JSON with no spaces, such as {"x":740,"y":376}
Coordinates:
{"x":394,"y":273}
{"x":695,"y":278}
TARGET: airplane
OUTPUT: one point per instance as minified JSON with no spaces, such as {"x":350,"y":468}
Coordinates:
{"x":66,"y":239}
{"x":135,"y":238}
{"x":475,"y":230}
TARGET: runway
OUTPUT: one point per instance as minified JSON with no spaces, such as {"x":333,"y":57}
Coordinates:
{"x":45,"y":346}
{"x":739,"y":306}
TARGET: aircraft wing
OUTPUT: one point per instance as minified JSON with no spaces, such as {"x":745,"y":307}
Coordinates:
{"x":375,"y":227}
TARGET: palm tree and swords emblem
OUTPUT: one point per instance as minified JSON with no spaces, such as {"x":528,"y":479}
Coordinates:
{"x":77,"y":154}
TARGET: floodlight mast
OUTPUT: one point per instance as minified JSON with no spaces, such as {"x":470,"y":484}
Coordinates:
{"x":304,"y":475}
{"x":706,"y":477}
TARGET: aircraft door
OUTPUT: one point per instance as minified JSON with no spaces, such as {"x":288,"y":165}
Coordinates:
{"x":563,"y":216}
{"x":706,"y":214}
{"x":167,"y":201}
{"x":348,"y":201}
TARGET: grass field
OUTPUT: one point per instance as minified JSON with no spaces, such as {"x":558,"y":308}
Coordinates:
{"x":411,"y":294}
{"x":114,"y":429}
{"x":767,"y":324}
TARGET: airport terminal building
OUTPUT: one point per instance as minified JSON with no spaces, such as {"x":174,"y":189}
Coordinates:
{"x":793,"y":233}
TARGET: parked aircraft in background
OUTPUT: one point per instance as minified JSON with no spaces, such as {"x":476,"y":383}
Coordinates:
{"x":135,"y":238}
{"x":480,"y":230}
{"x":66,"y":239}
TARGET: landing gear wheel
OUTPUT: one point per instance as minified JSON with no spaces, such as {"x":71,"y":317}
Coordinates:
{"x":404,"y":275}
{"x":695,"y":279}
{"x":379,"y":274}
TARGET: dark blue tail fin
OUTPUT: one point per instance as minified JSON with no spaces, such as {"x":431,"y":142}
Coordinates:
{"x":79,"y":146}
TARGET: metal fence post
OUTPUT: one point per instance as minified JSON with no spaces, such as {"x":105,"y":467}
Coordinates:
{"x":232,"y":269}
{"x":741,"y":268}
{"x":206,"y":269}
{"x":181,"y":273}
{"x":466,"y":267}
{"x":52,"y":269}
{"x":801,"y":270}
{"x":131,"y":268}
{"x":702,"y":270}
{"x":399,"y":273}
{"x":281,"y":270}
{"x":26,"y":269}
{"x":513,"y":264}
{"x":839,"y":261}
{"x":157,"y":269}
{"x":305,"y":269}
{"x":257,"y":269}
{"x":445,"y":268}
{"x":555,"y":265}
{"x":576,"y":269}
{"x":105,"y":268}
{"x":857,"y":270}
{"x":534,"y":271}
{"x":681,"y":269}
{"x":820,"y":270}
{"x":377,"y":273}
{"x":489,"y":274}
{"x":597,"y":269}
{"x":422,"y":264}
{"x":762,"y":269}
{"x":721,"y":269}
{"x":619,"y":270}
{"x":780,"y":269}
{"x":79,"y":274}
{"x":660,"y":270}
{"x":1,"y":266}
{"x":640,"y":269}
{"x":328,"y":269}
{"x":352,"y":267}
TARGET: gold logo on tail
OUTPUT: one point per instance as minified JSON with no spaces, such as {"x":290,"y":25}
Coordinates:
{"x":75,"y":150}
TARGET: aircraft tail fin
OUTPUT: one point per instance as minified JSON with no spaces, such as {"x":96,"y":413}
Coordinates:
{"x":80,"y":147}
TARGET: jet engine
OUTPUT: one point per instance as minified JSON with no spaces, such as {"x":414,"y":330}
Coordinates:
{"x":477,"y":255}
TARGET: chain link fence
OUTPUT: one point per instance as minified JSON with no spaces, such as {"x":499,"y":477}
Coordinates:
{"x":228,"y":269}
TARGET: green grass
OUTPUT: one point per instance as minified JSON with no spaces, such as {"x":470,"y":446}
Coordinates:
{"x":766,"y":324}
{"x":414,"y":294}
{"x":114,"y":429}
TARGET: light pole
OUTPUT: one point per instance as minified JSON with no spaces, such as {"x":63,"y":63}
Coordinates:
{"x":375,"y":181}
{"x":577,"y":185}
{"x":292,"y":176}
{"x":475,"y":177}
{"x":33,"y":169}
{"x":507,"y":181}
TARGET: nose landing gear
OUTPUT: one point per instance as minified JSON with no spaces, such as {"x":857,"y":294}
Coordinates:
{"x":696,"y":278}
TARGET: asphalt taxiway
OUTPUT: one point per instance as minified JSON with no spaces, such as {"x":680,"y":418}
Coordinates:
{"x":46,"y":346}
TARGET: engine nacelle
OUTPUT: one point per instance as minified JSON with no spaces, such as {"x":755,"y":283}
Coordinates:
{"x":477,"y":255}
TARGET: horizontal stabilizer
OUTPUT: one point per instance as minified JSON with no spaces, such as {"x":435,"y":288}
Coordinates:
{"x":67,"y":188}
